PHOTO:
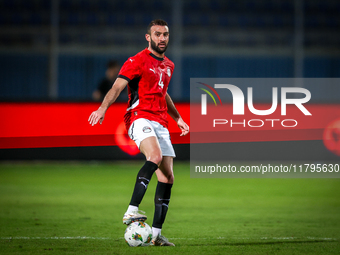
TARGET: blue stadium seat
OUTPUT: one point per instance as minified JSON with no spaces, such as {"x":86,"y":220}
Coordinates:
{"x":102,"y":5}
{"x":223,"y":20}
{"x":146,"y":19}
{"x":233,"y":6}
{"x":65,"y":5}
{"x":322,"y":6}
{"x":158,"y":5}
{"x":26,"y":5}
{"x":111,"y":19}
{"x":250,"y":41}
{"x":260,"y":21}
{"x":269,"y":6}
{"x":168,"y":19}
{"x":332,"y":22}
{"x":3,"y":20}
{"x":186,"y":19}
{"x":243,"y":21}
{"x":9,"y":5}
{"x":191,"y":40}
{"x":4,"y":40}
{"x":17,"y":19}
{"x":337,"y":7}
{"x":215,"y":5}
{"x":36,"y":18}
{"x":45,"y":4}
{"x":73,"y":19}
{"x":85,"y":5}
{"x":65,"y":38}
{"x":121,"y":5}
{"x":92,"y":19}
{"x":120,"y":41}
{"x":251,"y":5}
{"x":191,"y":5}
{"x":278,"y":21}
{"x":129,"y":20}
{"x":204,"y":20}
{"x":311,"y":21}
{"x":287,"y":6}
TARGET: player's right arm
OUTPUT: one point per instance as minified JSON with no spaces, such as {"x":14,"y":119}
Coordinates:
{"x":111,"y":96}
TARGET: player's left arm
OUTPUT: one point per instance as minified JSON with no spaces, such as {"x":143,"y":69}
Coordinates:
{"x":176,"y":116}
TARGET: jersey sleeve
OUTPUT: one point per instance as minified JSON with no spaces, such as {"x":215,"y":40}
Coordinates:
{"x":130,"y":69}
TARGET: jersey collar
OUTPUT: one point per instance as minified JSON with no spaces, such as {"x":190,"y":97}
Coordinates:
{"x":154,"y":56}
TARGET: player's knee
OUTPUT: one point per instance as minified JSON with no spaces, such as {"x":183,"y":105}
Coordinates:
{"x":156,"y":158}
{"x":170,"y":178}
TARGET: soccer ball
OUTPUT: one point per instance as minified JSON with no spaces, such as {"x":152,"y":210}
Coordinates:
{"x":138,"y":234}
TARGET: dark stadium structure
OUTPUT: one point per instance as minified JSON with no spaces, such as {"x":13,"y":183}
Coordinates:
{"x":210,"y":38}
{"x":57,"y":50}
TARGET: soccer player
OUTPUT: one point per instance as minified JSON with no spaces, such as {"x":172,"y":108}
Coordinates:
{"x":106,"y":83}
{"x":147,"y":75}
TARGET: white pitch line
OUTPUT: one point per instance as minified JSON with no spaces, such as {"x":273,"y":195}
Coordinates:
{"x":55,"y":238}
{"x":175,"y":238}
{"x":262,"y":238}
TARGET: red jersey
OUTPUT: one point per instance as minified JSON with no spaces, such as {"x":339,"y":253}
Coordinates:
{"x":148,"y":78}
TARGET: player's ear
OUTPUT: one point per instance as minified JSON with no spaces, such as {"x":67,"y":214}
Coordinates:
{"x":147,"y":37}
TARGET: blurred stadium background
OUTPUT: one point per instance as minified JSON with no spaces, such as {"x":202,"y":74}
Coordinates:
{"x":57,"y":50}
{"x":53,"y":53}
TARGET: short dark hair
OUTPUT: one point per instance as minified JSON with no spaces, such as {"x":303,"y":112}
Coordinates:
{"x":156,"y":22}
{"x":112,"y":64}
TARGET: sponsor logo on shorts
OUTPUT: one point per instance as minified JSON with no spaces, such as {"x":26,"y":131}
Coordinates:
{"x":146,"y":129}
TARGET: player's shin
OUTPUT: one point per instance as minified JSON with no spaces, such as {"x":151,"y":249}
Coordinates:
{"x":162,"y":199}
{"x":143,"y":178}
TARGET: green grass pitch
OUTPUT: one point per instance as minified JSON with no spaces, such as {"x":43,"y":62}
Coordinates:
{"x":77,"y":208}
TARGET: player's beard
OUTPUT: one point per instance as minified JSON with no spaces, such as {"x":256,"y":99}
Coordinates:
{"x":156,"y":48}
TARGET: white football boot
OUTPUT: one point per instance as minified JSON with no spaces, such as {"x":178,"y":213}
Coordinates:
{"x":161,"y":241}
{"x":134,"y":216}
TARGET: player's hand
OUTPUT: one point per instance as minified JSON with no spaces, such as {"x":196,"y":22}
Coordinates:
{"x":183,"y":126}
{"x":97,"y":116}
